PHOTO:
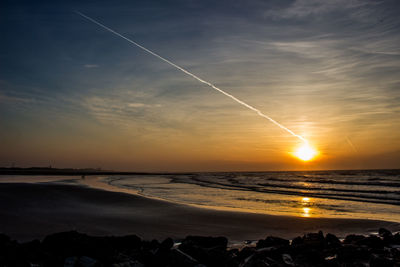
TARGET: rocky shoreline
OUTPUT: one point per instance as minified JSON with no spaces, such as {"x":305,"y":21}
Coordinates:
{"x":313,"y":249}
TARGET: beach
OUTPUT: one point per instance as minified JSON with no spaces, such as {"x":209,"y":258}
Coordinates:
{"x":32,"y":211}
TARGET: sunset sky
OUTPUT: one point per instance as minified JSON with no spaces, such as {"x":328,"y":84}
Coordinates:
{"x":74,"y":95}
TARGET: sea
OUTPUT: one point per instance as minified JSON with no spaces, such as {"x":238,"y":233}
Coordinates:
{"x":357,"y":194}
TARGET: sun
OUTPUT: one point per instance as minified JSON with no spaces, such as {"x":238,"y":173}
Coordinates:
{"x":305,"y":152}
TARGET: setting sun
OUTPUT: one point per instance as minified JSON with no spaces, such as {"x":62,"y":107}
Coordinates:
{"x":305,"y":152}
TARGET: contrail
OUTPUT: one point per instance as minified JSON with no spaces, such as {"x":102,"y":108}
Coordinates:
{"x":196,"y":77}
{"x":351,"y":144}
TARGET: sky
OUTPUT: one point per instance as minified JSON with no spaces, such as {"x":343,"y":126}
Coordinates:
{"x":75,"y":95}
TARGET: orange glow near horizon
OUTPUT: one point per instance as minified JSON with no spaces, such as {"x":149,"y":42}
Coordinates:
{"x":306,"y":152}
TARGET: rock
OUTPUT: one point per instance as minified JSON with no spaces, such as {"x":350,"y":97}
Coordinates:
{"x":148,"y":252}
{"x":70,"y":261}
{"x":314,"y":238}
{"x":180,"y":259}
{"x":8,"y":250}
{"x":387,"y":236}
{"x":287,"y":259}
{"x":371,"y":242}
{"x":210,"y":251}
{"x":126,"y":242}
{"x":258,"y":260}
{"x":75,"y":249}
{"x":309,"y":257}
{"x":332,"y":241}
{"x":32,"y":251}
{"x":67,"y":243}
{"x":233,"y":259}
{"x":245,"y":253}
{"x":383,"y":232}
{"x":332,"y":263}
{"x":329,"y":258}
{"x":128,"y":264}
{"x":167,"y":244}
{"x":353,"y":253}
{"x":163,"y":255}
{"x":150,"y":245}
{"x":272,"y":241}
{"x":123,"y":260}
{"x":85,"y":261}
{"x":103,"y":249}
{"x":379,"y":261}
{"x":4,"y":239}
{"x":268,"y":256}
{"x":353,"y":239}
{"x":297,"y":241}
{"x":206,"y":242}
{"x":396,"y":239}
{"x":309,"y":241}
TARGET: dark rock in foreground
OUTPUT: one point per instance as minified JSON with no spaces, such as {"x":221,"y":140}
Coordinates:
{"x":314,"y":249}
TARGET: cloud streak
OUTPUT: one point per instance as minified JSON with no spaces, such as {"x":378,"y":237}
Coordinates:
{"x":305,"y":8}
{"x":91,"y":66}
{"x":13,"y":99}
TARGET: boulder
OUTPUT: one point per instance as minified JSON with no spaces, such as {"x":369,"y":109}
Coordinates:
{"x":308,"y":257}
{"x":67,"y":243}
{"x":206,"y":242}
{"x":167,"y":244}
{"x":4,"y":239}
{"x":244,"y":253}
{"x":287,"y":259}
{"x":353,"y":239}
{"x":85,"y":261}
{"x":352,"y":253}
{"x":210,"y":251}
{"x":371,"y":241}
{"x":272,"y":241}
{"x":297,"y":241}
{"x":125,"y":242}
{"x":396,"y":239}
{"x":180,"y":259}
{"x":309,"y":241}
{"x":332,"y":241}
{"x":379,"y":261}
{"x":314,"y":239}
{"x":383,"y":232}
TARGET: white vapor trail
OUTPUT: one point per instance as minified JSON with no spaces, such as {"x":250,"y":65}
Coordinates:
{"x":195,"y":77}
{"x":351,"y":144}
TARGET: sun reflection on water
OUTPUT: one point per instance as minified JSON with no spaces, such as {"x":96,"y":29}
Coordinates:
{"x":306,"y":210}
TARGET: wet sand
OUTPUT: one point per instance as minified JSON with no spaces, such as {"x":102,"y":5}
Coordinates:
{"x":29,"y":211}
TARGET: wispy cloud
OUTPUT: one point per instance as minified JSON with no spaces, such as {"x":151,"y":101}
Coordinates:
{"x":91,"y":66}
{"x":13,"y":99}
{"x":118,"y":110}
{"x":142,"y":105}
{"x":304,"y":8}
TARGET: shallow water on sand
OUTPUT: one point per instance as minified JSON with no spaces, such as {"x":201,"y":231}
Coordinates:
{"x":345,"y":194}
{"x":362,"y":194}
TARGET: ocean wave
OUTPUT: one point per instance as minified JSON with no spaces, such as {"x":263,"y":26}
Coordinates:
{"x":286,"y":187}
